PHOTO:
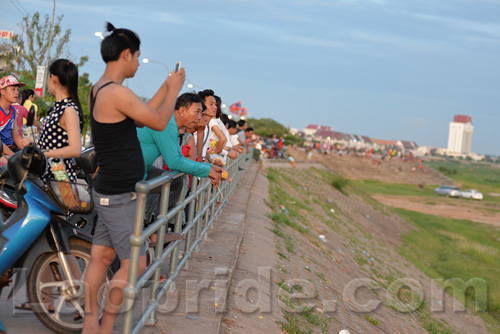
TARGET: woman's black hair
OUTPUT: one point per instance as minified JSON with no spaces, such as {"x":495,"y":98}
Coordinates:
{"x":67,"y":73}
{"x":25,"y":94}
{"x":218,"y":100}
{"x":118,"y":41}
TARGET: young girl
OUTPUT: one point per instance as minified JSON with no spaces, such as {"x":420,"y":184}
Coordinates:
{"x":61,"y":134}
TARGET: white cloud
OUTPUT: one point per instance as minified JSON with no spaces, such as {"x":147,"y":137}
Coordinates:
{"x":167,"y":18}
{"x":488,"y":28}
{"x":312,"y":41}
{"x":392,"y":40}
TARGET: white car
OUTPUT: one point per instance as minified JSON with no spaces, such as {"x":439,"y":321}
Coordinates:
{"x":472,"y":194}
{"x":451,"y":191}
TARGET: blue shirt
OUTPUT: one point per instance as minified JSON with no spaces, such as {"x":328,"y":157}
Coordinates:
{"x":6,"y":124}
{"x":166,"y":143}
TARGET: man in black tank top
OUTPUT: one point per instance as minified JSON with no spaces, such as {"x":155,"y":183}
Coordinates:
{"x":115,"y":111}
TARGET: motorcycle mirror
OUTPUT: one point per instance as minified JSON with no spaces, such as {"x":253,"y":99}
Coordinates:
{"x":31,"y":116}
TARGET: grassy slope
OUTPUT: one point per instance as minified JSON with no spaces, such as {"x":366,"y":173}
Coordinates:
{"x":451,"y":248}
{"x":378,"y":187}
{"x":293,"y":218}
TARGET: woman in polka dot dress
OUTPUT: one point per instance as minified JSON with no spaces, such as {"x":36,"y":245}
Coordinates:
{"x":61,"y":133}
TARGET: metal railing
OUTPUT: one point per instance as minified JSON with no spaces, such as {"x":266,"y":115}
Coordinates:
{"x":202,"y":212}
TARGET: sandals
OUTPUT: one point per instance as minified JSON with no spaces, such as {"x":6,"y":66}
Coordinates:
{"x":78,"y":316}
{"x":169,"y":237}
{"x":26,"y":307}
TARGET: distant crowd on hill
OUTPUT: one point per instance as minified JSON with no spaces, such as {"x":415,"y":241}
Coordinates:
{"x":382,"y":153}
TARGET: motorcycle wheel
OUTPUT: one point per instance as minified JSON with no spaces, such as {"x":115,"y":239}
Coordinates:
{"x":46,"y":283}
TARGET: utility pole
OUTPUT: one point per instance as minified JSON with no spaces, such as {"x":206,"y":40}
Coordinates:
{"x":48,"y":52}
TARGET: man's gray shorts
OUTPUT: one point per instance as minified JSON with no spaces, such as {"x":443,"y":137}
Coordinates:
{"x":115,"y":223}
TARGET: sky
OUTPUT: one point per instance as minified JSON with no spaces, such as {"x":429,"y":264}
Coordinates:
{"x":388,"y":69}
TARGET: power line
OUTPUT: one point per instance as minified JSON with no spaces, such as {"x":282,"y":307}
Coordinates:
{"x":17,"y":7}
{"x":22,"y":7}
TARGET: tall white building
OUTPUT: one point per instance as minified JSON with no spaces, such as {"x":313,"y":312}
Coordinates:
{"x":460,"y":136}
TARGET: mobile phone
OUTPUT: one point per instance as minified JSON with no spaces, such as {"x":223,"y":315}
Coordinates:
{"x":178,"y":66}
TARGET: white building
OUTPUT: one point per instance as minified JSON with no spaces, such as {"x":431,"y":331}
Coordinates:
{"x":311,"y":129}
{"x":460,"y":135}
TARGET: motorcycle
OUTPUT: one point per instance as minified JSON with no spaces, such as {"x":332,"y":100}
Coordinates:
{"x":85,"y":166}
{"x":44,"y":249}
{"x":2,"y":242}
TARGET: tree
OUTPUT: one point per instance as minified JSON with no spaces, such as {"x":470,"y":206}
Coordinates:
{"x":267,"y":126}
{"x":35,"y":39}
{"x":30,"y":49}
{"x":84,"y":87}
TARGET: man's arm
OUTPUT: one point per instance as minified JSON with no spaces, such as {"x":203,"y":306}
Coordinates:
{"x":199,"y":144}
{"x":159,"y":96}
{"x":6,"y":150}
{"x":128,"y":104}
{"x":17,"y":137}
{"x":167,"y":142}
{"x":192,"y":149}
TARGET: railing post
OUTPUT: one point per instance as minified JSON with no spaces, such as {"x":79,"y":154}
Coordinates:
{"x":208,"y":209}
{"x":177,"y":229}
{"x":200,"y":205}
{"x":216,"y":194}
{"x":136,"y":240}
{"x":192,"y":204}
{"x":160,"y":237}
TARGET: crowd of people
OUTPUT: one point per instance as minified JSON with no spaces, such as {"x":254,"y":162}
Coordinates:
{"x":133,"y":141}
{"x":385,"y":153}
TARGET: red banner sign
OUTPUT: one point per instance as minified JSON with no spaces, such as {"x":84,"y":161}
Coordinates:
{"x":6,"y":33}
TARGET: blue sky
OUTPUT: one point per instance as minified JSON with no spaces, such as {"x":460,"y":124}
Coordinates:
{"x":388,"y":69}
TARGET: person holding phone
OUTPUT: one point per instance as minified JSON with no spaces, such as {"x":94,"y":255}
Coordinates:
{"x":115,"y":111}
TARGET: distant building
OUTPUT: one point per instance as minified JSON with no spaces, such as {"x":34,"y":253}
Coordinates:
{"x":460,"y":135}
{"x":326,"y":135}
{"x":311,"y":129}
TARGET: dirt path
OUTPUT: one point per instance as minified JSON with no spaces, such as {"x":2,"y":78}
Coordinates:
{"x":444,"y":207}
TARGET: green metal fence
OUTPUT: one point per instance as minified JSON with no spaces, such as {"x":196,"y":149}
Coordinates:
{"x":202,"y":212}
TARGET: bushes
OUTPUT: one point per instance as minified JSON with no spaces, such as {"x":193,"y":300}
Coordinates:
{"x":339,"y":182}
{"x":447,"y":171}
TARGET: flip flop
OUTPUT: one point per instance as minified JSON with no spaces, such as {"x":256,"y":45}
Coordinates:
{"x":26,"y":307}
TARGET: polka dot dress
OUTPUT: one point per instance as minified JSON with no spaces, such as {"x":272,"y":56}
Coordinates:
{"x":53,"y":136}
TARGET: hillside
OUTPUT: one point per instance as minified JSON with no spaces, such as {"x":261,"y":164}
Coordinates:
{"x":362,"y":168}
{"x":339,"y":254}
